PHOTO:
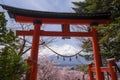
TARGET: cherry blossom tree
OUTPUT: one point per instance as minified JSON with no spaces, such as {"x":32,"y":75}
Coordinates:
{"x":47,"y":70}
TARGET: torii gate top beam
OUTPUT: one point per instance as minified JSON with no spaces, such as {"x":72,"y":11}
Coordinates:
{"x":28,"y":16}
{"x":31,"y":16}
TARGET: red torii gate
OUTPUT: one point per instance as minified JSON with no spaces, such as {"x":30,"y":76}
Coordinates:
{"x":65,"y":19}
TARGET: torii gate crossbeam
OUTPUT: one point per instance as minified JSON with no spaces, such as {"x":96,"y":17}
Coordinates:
{"x":65,"y":19}
{"x":35,"y":43}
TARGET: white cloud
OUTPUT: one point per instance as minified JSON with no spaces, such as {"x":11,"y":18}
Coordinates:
{"x":48,"y":5}
{"x":1,"y":47}
{"x":44,"y":5}
{"x":65,"y":49}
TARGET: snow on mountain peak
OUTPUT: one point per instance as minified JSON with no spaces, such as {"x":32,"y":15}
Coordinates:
{"x":65,"y":49}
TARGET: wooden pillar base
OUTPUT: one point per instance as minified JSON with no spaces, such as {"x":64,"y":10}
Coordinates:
{"x":90,"y":72}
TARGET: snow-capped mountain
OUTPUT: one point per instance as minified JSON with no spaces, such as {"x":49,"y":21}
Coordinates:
{"x":65,"y":50}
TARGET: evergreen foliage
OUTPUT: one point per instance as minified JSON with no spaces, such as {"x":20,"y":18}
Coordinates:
{"x":109,"y":34}
{"x":12,"y":66}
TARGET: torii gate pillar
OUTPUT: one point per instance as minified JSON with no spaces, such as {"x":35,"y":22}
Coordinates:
{"x":34,"y":51}
{"x":65,"y":19}
{"x":97,"y":56}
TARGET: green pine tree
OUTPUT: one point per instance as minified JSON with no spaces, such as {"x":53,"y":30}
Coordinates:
{"x":12,"y":66}
{"x":109,"y":34}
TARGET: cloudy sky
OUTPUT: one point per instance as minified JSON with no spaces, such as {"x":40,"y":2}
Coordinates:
{"x":62,"y":46}
{"x":44,"y":5}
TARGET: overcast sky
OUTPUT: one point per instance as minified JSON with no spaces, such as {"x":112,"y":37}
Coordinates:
{"x":44,"y":5}
{"x":67,"y":46}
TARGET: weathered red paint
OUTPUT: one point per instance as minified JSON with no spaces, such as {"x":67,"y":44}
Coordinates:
{"x":55,"y":33}
{"x":34,"y":52}
{"x":25,"y":19}
{"x":90,"y":71}
{"x":102,"y":69}
{"x":112,"y":70}
{"x":36,"y":33}
{"x":97,"y":57}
